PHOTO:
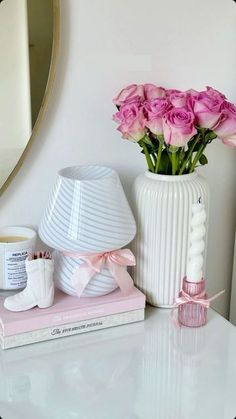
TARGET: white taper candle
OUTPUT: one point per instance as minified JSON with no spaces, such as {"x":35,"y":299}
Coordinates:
{"x":197,"y":243}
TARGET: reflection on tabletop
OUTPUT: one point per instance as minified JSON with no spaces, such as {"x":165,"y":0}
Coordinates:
{"x":146,"y":370}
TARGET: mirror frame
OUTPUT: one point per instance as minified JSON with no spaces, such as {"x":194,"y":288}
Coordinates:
{"x":48,"y":89}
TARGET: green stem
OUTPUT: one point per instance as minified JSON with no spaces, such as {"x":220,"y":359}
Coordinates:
{"x":158,"y":157}
{"x":173,"y":163}
{"x":197,"y":156}
{"x":181,"y":155}
{"x":154,"y":159}
{"x":189,"y":154}
{"x":147,"y":155}
{"x":178,"y":159}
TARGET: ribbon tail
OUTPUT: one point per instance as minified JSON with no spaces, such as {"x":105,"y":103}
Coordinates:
{"x":216,"y":295}
{"x":81,"y":278}
{"x":122,"y":277}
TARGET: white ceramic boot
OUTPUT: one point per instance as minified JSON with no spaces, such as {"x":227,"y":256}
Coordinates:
{"x":40,"y":287}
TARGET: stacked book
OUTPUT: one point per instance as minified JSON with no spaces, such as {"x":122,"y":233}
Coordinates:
{"x":69,"y":316}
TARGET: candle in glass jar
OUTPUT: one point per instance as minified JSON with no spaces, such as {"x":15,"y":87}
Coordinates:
{"x":197,"y":243}
{"x":15,"y":245}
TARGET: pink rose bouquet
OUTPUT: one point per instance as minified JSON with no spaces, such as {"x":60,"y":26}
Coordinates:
{"x":172,"y":127}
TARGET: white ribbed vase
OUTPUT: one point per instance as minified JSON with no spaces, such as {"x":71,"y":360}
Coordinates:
{"x":162,"y":205}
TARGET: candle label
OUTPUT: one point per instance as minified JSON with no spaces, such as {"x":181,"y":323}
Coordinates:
{"x":15,"y":273}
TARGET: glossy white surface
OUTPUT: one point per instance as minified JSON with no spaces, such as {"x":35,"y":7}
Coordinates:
{"x":148,"y":370}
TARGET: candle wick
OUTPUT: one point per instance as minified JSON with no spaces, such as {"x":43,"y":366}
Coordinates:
{"x":199,"y":199}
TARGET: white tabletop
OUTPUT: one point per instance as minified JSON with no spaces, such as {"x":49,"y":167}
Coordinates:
{"x":148,"y":370}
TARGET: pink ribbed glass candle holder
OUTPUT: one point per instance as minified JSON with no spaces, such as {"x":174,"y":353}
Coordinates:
{"x":193,"y":314}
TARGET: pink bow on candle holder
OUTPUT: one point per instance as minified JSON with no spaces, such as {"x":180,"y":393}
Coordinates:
{"x":192,"y":303}
{"x":184,"y":298}
{"x":116,"y":262}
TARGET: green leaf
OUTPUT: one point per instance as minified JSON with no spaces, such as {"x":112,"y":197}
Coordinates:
{"x":210,"y":136}
{"x":149,"y":148}
{"x":197,"y":145}
{"x":164,"y":163}
{"x":147,"y":140}
{"x":203,"y":160}
{"x":155,"y":148}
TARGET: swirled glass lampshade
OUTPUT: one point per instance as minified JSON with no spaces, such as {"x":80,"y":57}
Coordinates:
{"x":87,"y":212}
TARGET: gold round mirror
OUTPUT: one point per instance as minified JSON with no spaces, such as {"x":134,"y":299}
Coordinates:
{"x":29,"y":33}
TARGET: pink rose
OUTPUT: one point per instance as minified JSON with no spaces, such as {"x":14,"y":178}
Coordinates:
{"x":178,"y":127}
{"x":131,"y":93}
{"x":230,"y":141}
{"x":214,"y":93}
{"x":206,"y":108}
{"x":225,"y":129}
{"x":226,"y":125}
{"x":132,"y":121}
{"x":178,"y":99}
{"x":155,"y":110}
{"x":192,"y":92}
{"x":153,"y":92}
{"x":172,"y":91}
{"x":230,"y":107}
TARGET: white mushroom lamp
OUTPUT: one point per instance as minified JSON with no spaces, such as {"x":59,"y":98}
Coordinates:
{"x":87,"y":214}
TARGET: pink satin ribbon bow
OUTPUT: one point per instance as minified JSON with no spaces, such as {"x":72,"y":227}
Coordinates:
{"x":185,"y":298}
{"x":115,"y":261}
{"x":197,"y":299}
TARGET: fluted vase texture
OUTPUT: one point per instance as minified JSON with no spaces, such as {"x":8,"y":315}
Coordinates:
{"x":162,"y":206}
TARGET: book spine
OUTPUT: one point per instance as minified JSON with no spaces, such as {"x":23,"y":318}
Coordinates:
{"x":70,"y":329}
{"x":69,"y":316}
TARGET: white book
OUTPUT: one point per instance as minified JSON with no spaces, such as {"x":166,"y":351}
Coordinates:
{"x":82,"y":326}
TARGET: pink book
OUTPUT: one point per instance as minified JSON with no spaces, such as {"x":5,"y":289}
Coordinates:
{"x":68,"y":309}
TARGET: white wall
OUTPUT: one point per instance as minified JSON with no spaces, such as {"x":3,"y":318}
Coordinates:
{"x":233,"y":290}
{"x":104,"y":45}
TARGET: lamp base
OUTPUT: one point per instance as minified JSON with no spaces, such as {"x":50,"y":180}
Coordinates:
{"x":193,"y":314}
